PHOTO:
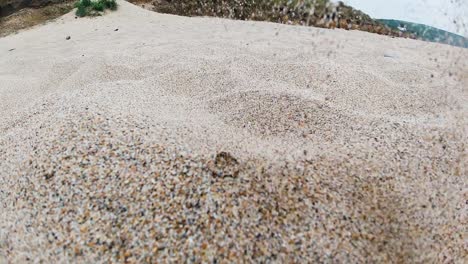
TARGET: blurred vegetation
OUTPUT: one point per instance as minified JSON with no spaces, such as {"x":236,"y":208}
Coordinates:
{"x":93,"y":8}
{"x":427,"y":33}
{"x":28,"y":17}
{"x":319,"y":13}
{"x":296,"y":11}
{"x":269,"y":10}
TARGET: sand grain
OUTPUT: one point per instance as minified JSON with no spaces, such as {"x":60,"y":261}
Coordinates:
{"x":200,"y":139}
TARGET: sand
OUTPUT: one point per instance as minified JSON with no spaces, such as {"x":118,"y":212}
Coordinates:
{"x":201,"y":139}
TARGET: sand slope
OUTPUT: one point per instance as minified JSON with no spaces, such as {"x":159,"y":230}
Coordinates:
{"x":343,"y":146}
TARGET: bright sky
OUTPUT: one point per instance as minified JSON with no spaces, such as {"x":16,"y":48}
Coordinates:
{"x":437,"y":13}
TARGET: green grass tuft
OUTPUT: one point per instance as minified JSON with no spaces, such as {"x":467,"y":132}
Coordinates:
{"x":110,"y":4}
{"x":81,"y":11}
{"x":93,"y":8}
{"x":98,"y":6}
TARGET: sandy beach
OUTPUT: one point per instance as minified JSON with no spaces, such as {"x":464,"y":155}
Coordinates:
{"x":149,"y":138}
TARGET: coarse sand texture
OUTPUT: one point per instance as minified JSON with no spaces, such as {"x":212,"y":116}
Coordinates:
{"x":177,"y":139}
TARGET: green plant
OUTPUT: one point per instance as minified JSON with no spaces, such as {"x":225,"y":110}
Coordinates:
{"x":83,"y":3}
{"x":98,"y":6}
{"x":81,"y":11}
{"x":92,"y":8}
{"x":110,"y":4}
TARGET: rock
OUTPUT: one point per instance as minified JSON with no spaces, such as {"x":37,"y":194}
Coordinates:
{"x":68,"y":38}
{"x":116,"y":29}
{"x":224,"y":165}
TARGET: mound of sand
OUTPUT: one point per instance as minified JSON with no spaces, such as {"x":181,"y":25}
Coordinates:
{"x":202,"y":139}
